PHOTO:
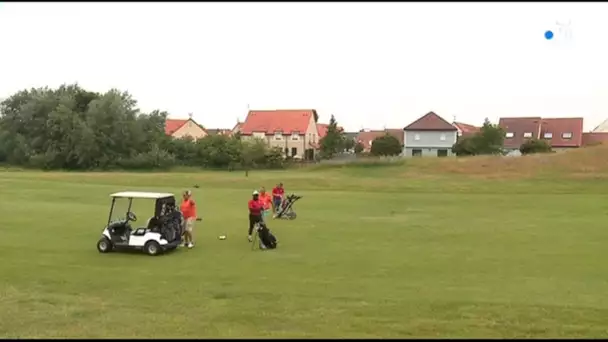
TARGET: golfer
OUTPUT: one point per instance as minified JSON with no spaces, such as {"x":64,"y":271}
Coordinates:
{"x":277,"y":197}
{"x":188,"y":209}
{"x":255,"y":212}
{"x":266,"y":202}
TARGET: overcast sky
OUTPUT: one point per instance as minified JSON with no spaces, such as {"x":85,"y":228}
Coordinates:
{"x":373,"y":65}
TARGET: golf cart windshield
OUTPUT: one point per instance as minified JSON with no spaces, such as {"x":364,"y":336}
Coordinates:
{"x":138,"y":203}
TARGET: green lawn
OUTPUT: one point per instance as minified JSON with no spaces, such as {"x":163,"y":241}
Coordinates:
{"x":372,"y":254}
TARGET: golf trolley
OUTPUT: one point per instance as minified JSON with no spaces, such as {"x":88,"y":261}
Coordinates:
{"x":162,"y":232}
{"x":286,"y":209}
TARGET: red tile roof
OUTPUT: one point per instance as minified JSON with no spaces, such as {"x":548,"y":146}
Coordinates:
{"x":367,"y":137}
{"x":539,"y":126}
{"x":595,"y":138}
{"x":430,"y":122}
{"x":322,"y":129}
{"x":560,"y":126}
{"x":271,"y":121}
{"x":519,"y":126}
{"x":466,"y":129}
{"x":172,"y":125}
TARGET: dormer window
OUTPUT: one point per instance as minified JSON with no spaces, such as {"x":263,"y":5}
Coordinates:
{"x":528,"y":135}
{"x":509,"y":135}
{"x":548,"y":135}
{"x":295,"y":135}
{"x":278,"y":135}
{"x":567,"y":135}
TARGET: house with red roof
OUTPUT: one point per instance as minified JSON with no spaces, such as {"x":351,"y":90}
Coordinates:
{"x":595,"y":138}
{"x":180,"y":128}
{"x":465,"y":130}
{"x":294,"y":131}
{"x":322,"y":129}
{"x":430,"y":135}
{"x":366,"y":137}
{"x":560,"y":133}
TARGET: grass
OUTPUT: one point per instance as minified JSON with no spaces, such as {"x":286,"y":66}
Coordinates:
{"x":416,"y":249}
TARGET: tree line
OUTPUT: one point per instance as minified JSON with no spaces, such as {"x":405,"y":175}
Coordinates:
{"x":75,"y":129}
{"x":72,"y":128}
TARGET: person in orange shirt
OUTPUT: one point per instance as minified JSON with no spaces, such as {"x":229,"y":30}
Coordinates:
{"x":266,"y":200}
{"x":188,"y":209}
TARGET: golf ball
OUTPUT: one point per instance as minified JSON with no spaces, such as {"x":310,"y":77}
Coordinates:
{"x":222,"y":237}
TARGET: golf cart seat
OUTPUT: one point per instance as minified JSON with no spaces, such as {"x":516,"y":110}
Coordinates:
{"x":153,"y":224}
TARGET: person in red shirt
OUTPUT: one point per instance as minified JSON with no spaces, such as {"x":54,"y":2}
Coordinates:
{"x":256,"y":207}
{"x":188,"y":209}
{"x":277,"y":196}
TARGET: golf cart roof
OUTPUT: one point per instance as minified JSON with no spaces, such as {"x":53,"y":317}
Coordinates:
{"x":139,"y":194}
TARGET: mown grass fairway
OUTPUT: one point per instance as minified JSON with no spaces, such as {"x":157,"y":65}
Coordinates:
{"x":373,"y":253}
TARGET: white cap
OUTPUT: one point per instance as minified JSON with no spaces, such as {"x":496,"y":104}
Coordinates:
{"x":255,"y":192}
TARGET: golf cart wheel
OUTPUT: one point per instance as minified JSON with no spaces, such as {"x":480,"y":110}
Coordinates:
{"x":152,"y":248}
{"x":104,"y":245}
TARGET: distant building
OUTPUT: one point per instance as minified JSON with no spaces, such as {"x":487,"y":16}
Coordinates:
{"x":430,"y":136}
{"x":179,"y":128}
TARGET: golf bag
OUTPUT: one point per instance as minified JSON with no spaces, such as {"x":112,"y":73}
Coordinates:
{"x":286,"y":210}
{"x":267,"y":239}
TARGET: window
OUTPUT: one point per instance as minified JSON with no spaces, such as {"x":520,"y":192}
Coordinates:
{"x":416,"y":136}
{"x":278,"y":135}
{"x":294,"y":151}
{"x":295,"y":136}
{"x":416,"y":153}
{"x":509,"y":135}
{"x":442,"y":153}
{"x":548,"y":135}
{"x":259,"y":135}
{"x":528,"y":135}
{"x":567,"y":135}
{"x":442,"y":137}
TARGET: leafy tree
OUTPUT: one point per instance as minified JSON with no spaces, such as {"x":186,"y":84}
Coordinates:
{"x":314,"y":112}
{"x":359,"y":148}
{"x":531,"y":146}
{"x":72,"y":128}
{"x":465,"y":146}
{"x":254,"y":154}
{"x":349,"y":144}
{"x":489,"y":140}
{"x":333,"y":141}
{"x":386,"y":145}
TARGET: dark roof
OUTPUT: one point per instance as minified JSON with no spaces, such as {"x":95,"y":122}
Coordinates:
{"x":519,"y":126}
{"x":430,"y":122}
{"x":539,"y":126}
{"x":558,"y":126}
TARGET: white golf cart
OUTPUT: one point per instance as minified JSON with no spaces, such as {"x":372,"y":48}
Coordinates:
{"x":162,"y":232}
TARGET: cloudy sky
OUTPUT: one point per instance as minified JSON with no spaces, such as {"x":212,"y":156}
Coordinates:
{"x":373,"y":65}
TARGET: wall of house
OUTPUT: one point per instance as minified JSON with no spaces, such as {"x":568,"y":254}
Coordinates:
{"x":190,"y":129}
{"x":428,"y":142}
{"x":300,"y":142}
{"x":426,"y":152}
